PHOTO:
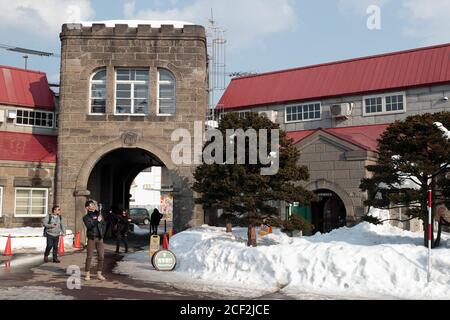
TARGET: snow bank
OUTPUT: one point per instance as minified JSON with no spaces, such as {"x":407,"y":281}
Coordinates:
{"x":365,"y":261}
{"x":381,"y":214}
{"x":140,"y":231}
{"x":36,"y":243}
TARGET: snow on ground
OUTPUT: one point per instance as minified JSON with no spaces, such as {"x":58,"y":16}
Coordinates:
{"x":366,"y":261}
{"x":30,"y":293}
{"x":36,"y":243}
{"x":140,"y":231}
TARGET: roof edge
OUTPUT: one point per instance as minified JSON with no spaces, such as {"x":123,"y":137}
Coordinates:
{"x":344,"y":61}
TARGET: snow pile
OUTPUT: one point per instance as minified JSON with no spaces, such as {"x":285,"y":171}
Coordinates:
{"x":381,"y":214}
{"x":365,"y":261}
{"x":140,"y":231}
{"x":36,"y":243}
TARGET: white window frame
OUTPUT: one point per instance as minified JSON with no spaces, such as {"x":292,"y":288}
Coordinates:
{"x":158,"y":83}
{"x":243,"y":114}
{"x":30,"y":206}
{"x":132,"y":82}
{"x":34,"y":125}
{"x":383,"y":104}
{"x":1,"y":201}
{"x":302,"y":104}
{"x":91,"y":82}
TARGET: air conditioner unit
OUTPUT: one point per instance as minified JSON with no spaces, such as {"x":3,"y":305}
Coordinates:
{"x":2,"y":115}
{"x":270,"y":114}
{"x":341,"y":111}
{"x":12,"y":114}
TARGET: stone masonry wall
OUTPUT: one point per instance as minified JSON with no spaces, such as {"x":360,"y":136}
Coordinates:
{"x":86,"y":49}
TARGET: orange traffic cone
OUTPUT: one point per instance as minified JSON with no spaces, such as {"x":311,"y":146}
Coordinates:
{"x":61,"y":250}
{"x":165,"y":242}
{"x":77,"y":242}
{"x":8,"y":251}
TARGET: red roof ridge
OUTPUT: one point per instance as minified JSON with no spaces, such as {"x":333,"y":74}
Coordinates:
{"x":339,"y":135}
{"x":21,"y":69}
{"x":342,"y":61}
{"x":29,"y":133}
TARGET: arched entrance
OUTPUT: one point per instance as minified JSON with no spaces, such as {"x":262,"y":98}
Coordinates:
{"x":329,"y":212}
{"x":110,"y":180}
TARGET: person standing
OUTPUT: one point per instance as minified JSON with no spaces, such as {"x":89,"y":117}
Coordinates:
{"x":155,"y":218}
{"x":95,"y":225}
{"x":122,"y":228}
{"x":53,"y":227}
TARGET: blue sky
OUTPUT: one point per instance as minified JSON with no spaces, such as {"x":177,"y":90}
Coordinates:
{"x":262,"y":35}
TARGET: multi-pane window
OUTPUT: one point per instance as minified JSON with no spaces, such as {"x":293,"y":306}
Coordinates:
{"x":374,"y":105}
{"x":394,"y":103}
{"x":166,"y":93}
{"x":244,"y":114}
{"x":303,"y":112}
{"x":132,"y":91}
{"x":98,"y":92}
{"x":382,"y":104}
{"x":31,"y":202}
{"x":34,"y":118}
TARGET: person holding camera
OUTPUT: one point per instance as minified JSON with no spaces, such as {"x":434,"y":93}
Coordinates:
{"x":95,"y":225}
{"x":53,"y":227}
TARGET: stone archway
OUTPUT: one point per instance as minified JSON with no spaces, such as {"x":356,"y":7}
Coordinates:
{"x":325,"y":184}
{"x":185,"y":212}
{"x":90,"y":162}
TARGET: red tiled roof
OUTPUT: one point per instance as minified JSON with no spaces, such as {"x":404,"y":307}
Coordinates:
{"x":396,"y":70}
{"x":362,"y":136}
{"x":27,"y":147}
{"x":25,"y":88}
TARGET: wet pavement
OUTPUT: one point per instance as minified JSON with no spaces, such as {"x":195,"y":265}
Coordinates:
{"x":34,"y":273}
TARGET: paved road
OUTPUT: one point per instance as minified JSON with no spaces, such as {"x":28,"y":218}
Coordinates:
{"x":35,"y":274}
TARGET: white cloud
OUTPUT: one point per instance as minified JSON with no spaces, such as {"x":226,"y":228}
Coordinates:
{"x":43,"y":17}
{"x":359,"y":7}
{"x":247,"y":22}
{"x":428,"y":20}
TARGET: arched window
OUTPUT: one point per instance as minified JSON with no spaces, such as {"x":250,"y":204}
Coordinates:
{"x":166,"y":93}
{"x":98,"y":92}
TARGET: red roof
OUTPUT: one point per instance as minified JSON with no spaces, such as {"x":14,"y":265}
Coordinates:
{"x":27,"y":88}
{"x":364,"y":137}
{"x":27,"y":147}
{"x":417,"y":67}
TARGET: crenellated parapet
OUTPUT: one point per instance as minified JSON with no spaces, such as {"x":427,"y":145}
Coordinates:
{"x":121,"y":30}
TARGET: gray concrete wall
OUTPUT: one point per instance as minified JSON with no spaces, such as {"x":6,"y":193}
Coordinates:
{"x":418,"y":101}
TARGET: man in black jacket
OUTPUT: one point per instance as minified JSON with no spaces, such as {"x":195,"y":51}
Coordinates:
{"x":95,"y":225}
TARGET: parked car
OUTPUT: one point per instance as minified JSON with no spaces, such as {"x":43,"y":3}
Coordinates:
{"x":140,"y":216}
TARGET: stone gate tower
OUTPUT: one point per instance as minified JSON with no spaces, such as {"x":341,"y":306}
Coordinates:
{"x":124,"y":89}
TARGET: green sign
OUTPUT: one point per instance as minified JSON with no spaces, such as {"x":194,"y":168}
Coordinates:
{"x":164,"y":260}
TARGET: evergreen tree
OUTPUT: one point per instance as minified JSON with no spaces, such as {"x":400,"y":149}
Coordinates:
{"x":240,"y":190}
{"x":414,"y":157}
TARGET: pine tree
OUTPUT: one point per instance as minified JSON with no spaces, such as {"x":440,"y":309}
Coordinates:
{"x":240,"y":190}
{"x":414,"y":157}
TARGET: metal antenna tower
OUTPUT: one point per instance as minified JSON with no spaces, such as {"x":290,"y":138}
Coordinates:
{"x":216,"y":64}
{"x":28,"y":51}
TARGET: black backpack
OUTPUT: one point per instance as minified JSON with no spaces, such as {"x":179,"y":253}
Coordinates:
{"x":49,"y":220}
{"x":45,"y":228}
